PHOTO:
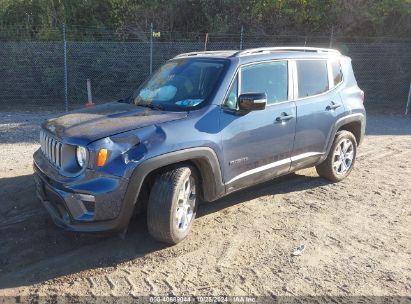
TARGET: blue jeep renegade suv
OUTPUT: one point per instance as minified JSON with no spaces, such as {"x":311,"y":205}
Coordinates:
{"x":204,"y":125}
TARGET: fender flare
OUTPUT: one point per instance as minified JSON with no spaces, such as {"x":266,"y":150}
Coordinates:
{"x":356,"y":117}
{"x":205,"y":160}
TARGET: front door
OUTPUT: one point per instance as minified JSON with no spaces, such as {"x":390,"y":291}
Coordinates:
{"x":257,"y":146}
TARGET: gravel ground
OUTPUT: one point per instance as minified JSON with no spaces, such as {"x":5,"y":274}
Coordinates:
{"x":357,"y":233}
{"x":19,"y":138}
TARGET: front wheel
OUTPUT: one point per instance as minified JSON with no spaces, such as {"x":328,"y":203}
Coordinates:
{"x":340,"y":159}
{"x":173,"y":205}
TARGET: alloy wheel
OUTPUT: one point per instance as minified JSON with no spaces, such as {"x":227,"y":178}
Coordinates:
{"x":186,"y":203}
{"x":343,"y":156}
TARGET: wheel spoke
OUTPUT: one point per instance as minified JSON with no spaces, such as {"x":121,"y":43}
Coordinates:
{"x":187,"y":190}
{"x":186,"y":217}
{"x":347,"y":145}
{"x":181,"y":195}
{"x":337,"y":150}
{"x":192,"y":200}
{"x":343,"y":167}
{"x":349,"y":155}
{"x":344,"y":146}
{"x":179,"y":215}
{"x":186,"y":203}
{"x":337,"y":166}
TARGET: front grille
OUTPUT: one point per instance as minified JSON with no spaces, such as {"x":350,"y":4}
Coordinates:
{"x":51,"y":148}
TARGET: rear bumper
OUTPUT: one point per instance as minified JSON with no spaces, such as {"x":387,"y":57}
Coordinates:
{"x":103,"y":210}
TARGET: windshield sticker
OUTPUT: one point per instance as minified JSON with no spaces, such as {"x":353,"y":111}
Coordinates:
{"x":189,"y":102}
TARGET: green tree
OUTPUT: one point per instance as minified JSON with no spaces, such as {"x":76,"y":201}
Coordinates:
{"x":105,"y":19}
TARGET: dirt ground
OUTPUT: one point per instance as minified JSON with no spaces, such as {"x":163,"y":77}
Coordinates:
{"x":357,"y":233}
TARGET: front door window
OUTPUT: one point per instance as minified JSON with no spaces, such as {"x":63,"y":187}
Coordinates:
{"x":270,"y":78}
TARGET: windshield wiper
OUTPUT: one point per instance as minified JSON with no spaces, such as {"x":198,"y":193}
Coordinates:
{"x":152,"y":106}
{"x":125,"y":99}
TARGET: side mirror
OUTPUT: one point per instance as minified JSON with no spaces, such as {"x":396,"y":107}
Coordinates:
{"x":252,"y":101}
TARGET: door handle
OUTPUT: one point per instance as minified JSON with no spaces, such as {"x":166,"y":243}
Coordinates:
{"x":332,"y":106}
{"x":284,"y":117}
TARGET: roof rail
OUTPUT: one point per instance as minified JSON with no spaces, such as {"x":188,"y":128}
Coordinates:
{"x":200,"y":53}
{"x":285,"y":49}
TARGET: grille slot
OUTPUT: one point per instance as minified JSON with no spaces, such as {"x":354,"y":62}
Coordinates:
{"x":51,"y":148}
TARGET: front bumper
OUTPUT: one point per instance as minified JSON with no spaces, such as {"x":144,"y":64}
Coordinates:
{"x":94,"y":204}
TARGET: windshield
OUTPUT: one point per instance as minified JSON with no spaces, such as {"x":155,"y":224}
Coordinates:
{"x":180,"y":84}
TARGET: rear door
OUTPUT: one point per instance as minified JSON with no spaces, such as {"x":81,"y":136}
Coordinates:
{"x":257,"y":146}
{"x":318,"y":104}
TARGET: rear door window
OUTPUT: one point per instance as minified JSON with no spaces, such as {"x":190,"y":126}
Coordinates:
{"x":312,"y":77}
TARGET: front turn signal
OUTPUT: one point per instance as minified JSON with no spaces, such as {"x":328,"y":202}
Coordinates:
{"x":101,"y":157}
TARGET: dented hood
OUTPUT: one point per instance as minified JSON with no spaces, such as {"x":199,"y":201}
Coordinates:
{"x":87,"y":125}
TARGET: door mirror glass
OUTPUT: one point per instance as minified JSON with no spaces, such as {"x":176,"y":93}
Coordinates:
{"x":252,"y":101}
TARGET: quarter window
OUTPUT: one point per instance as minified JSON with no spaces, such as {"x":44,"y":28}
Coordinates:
{"x":270,"y":78}
{"x":336,"y":69}
{"x":231,"y":100}
{"x":312,"y":77}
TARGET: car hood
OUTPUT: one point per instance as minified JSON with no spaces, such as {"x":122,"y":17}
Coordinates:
{"x":87,"y":125}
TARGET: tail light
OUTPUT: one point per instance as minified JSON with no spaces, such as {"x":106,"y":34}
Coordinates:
{"x":362,"y":96}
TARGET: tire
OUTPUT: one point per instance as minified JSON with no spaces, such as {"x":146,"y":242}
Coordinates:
{"x":338,"y":165}
{"x":172,"y":207}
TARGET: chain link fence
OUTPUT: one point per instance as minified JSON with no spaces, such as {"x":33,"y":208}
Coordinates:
{"x":32,"y":72}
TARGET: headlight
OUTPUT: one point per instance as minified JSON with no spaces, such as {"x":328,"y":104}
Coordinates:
{"x":81,"y":156}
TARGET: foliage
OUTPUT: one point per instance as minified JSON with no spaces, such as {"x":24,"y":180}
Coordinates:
{"x":130,"y":19}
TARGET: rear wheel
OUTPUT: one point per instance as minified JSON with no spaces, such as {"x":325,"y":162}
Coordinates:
{"x":340,"y":159}
{"x":173,"y":205}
